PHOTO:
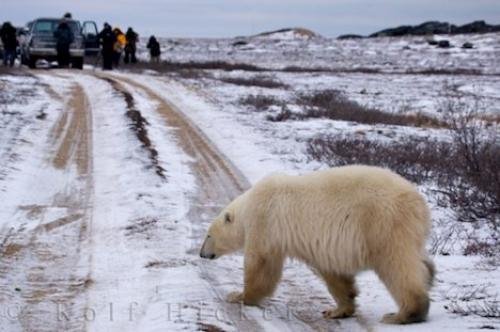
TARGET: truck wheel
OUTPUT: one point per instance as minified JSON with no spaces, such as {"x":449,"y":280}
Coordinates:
{"x":77,"y":63}
{"x":32,"y":62}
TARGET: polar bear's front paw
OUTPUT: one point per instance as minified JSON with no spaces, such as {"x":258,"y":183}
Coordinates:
{"x":392,"y":318}
{"x":235,"y":297}
{"x":341,"y":312}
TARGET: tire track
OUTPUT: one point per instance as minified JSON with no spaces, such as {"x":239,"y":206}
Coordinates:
{"x":73,"y":146}
{"x":47,"y":254}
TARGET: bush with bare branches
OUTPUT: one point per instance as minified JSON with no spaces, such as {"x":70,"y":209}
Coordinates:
{"x":466,"y":170}
{"x":473,"y":301}
{"x":260,"y":102}
{"x":333,"y":104}
{"x":259,"y":81}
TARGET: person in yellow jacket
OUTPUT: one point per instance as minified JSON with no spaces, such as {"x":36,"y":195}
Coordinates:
{"x":119,"y":45}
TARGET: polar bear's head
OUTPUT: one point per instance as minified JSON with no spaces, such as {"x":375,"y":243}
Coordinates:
{"x":226,"y":234}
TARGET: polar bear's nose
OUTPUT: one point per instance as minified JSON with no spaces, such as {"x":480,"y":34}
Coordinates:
{"x":203,"y":255}
{"x":207,"y":249}
{"x":212,"y":256}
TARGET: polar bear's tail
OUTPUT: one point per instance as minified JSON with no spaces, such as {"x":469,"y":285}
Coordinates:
{"x":429,"y":264}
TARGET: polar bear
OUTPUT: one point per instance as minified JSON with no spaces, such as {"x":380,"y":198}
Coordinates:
{"x":339,"y":222}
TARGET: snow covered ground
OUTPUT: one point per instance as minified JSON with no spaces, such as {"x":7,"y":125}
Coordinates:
{"x":109,"y":180}
{"x":382,"y":54}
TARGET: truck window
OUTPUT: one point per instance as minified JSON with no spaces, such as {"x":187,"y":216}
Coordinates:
{"x":44,"y":26}
{"x":51,"y":26}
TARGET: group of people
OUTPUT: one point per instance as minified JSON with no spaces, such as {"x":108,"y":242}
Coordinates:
{"x":8,"y":35}
{"x":114,"y":43}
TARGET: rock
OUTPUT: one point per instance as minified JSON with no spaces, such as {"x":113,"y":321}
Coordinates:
{"x":467,"y":45}
{"x":436,"y":27}
{"x":349,"y":36}
{"x":444,"y":44}
{"x":432,"y":42}
{"x":476,"y":27}
{"x":393,"y":32}
{"x":240,"y":43}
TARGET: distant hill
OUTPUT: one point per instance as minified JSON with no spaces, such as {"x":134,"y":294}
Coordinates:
{"x":436,"y":27}
{"x":288,"y":33}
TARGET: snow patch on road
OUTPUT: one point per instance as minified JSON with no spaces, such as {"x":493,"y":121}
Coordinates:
{"x":140,"y":243}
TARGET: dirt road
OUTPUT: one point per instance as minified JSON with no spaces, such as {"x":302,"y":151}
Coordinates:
{"x":39,"y":263}
{"x":102,"y":234}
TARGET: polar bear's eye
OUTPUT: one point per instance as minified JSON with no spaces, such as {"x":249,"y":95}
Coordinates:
{"x":227,"y":218}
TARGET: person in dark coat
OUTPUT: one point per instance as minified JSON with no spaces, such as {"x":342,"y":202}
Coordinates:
{"x":107,"y":39}
{"x":154,"y":49}
{"x":131,"y":46}
{"x":9,"y":41}
{"x":64,"y":37}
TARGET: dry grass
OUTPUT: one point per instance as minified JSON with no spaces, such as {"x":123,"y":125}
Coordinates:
{"x":283,"y":115}
{"x":15,"y":71}
{"x":332,"y":104}
{"x":440,"y":71}
{"x":258,"y":81}
{"x":7,"y":70}
{"x":260,"y":102}
{"x":296,"y":69}
{"x":172,"y":66}
{"x":416,"y":160}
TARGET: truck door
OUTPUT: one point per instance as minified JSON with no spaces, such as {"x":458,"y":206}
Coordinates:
{"x":90,"y":40}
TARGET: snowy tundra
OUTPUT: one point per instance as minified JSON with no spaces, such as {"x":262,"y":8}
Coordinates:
{"x":109,"y":180}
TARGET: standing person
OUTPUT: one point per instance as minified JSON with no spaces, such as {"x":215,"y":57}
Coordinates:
{"x":107,"y":39}
{"x":120,"y":43}
{"x":131,"y":46}
{"x":64,"y":37}
{"x":9,"y":40}
{"x":154,"y":49}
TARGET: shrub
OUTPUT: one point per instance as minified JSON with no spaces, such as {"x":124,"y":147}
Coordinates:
{"x":466,"y":170}
{"x":260,"y":81}
{"x":441,"y":71}
{"x":259,"y":102}
{"x":477,"y":161}
{"x":169,"y":66}
{"x":283,"y":115}
{"x":332,"y":104}
{"x":414,"y":159}
{"x":297,"y":69}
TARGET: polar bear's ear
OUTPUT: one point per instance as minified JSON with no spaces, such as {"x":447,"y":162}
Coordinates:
{"x":227,"y":218}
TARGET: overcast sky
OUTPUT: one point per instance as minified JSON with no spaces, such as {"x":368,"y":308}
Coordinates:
{"x":228,"y":18}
